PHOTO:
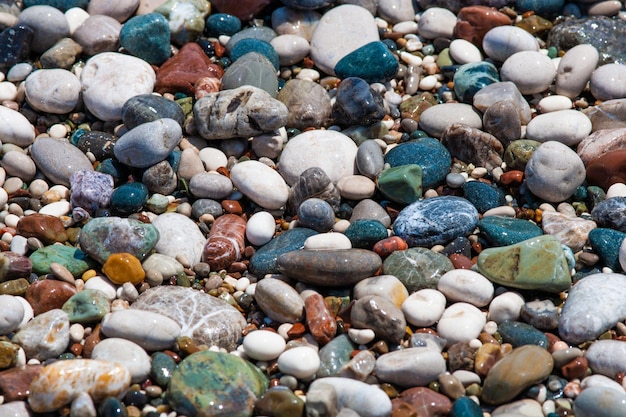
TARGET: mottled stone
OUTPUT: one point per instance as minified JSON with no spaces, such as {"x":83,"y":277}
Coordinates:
{"x":319,"y":319}
{"x":207,"y":320}
{"x":15,"y":43}
{"x":99,"y":144}
{"x":365,"y":233}
{"x":518,"y":153}
{"x":46,"y":336}
{"x":226,"y":242}
{"x":571,"y":231}
{"x":537,"y":263}
{"x":251,"y":69}
{"x":313,"y":183}
{"x":606,"y":244}
{"x":484,"y":196}
{"x":181,"y":72}
{"x":357,"y":103}
{"x":335,"y":356}
{"x":417,"y":268}
{"x":381,"y":315}
{"x":335,"y":268}
{"x":473,"y":77}
{"x":472,"y":145}
{"x":308,"y":103}
{"x":611,"y":213}
{"x":146,"y":108}
{"x":91,"y":190}
{"x":279,"y":401}
{"x":147,"y":37}
{"x":87,"y":306}
{"x":426,"y":401}
{"x":75,"y":260}
{"x":541,"y":314}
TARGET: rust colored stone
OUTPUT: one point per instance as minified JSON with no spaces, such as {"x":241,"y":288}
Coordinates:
{"x":461,"y":261}
{"x":226,"y":242}
{"x":401,"y":408}
{"x":48,"y":229}
{"x":91,"y":341}
{"x":389,"y":245}
{"x":181,"y":72}
{"x":321,"y":322}
{"x":232,"y":207}
{"x":512,"y":178}
{"x":296,"y":331}
{"x":14,"y":382}
{"x":474,"y":22}
{"x":48,"y":294}
{"x":607,"y":169}
{"x":426,"y":402}
{"x":576,"y":368}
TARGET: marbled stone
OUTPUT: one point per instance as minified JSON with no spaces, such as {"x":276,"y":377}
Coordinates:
{"x":356,"y":103}
{"x":537,"y":263}
{"x":417,"y":268}
{"x":471,"y":145}
{"x":308,"y":103}
{"x":46,"y":336}
{"x":379,"y":314}
{"x":365,"y":233}
{"x":264,"y":260}
{"x":410,"y":367}
{"x":179,"y":235}
{"x":225,"y":243}
{"x":472,"y":77}
{"x":610,"y":213}
{"x":186,"y":19}
{"x":75,"y":260}
{"x":204,"y":318}
{"x":183,"y":71}
{"x":571,"y":231}
{"x":334,"y":356}
{"x":334,"y":268}
{"x":484,"y":196}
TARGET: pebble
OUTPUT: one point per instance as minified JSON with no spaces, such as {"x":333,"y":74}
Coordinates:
{"x":260,"y":183}
{"x":129,"y":354}
{"x":575,"y":69}
{"x":501,"y":42}
{"x":569,"y":230}
{"x":503,"y":91}
{"x":379,"y":314}
{"x":467,"y":286}
{"x":337,"y":393}
{"x":279,"y":301}
{"x":146,"y":37}
{"x":356,"y":103}
{"x":605,"y":357}
{"x":410,"y":367}
{"x":308,"y":102}
{"x":45,"y":336}
{"x":531,"y":71}
{"x":97,"y":34}
{"x":586,"y":404}
{"x":541,"y":314}
{"x":603,"y":90}
{"x":15,"y":128}
{"x":436,"y":119}
{"x":179,"y":235}
{"x":12,"y":314}
{"x":52,"y":90}
{"x":48,"y":23}
{"x":464,"y":52}
{"x":429,"y":154}
{"x":150,"y":330}
{"x":542,"y":128}
{"x":260,"y":228}
{"x":327,"y":241}
{"x":460,"y":322}
{"x":301,"y":362}
{"x":387,"y":286}
{"x":263,"y":345}
{"x":424,"y":308}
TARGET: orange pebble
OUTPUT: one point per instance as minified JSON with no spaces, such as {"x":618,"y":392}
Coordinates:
{"x":389,"y":245}
{"x":123,"y":267}
{"x":513,"y":178}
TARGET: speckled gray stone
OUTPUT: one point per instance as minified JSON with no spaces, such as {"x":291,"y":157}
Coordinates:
{"x":58,"y":159}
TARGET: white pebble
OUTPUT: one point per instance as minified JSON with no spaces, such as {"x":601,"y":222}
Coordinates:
{"x":56,"y":209}
{"x":19,"y":244}
{"x":260,"y":228}
{"x":58,"y":131}
{"x":128,"y":353}
{"x":102,"y":283}
{"x":11,"y":313}
{"x":608,"y":82}
{"x":428,"y":83}
{"x":554,"y":103}
{"x":501,"y":42}
{"x":8,"y":91}
{"x":213,"y":158}
{"x":410,"y":59}
{"x":505,"y":211}
{"x":575,"y":69}
{"x":331,"y":240}
{"x":77,"y":332}
{"x":361,"y":336}
{"x":461,"y":322}
{"x":531,"y":71}
{"x":11,"y":220}
{"x":464,"y":52}
{"x":424,"y":307}
{"x":616,"y":190}
{"x":405,"y":27}
{"x":466,"y":285}
{"x":301,"y":362}
{"x":263,"y":345}
{"x":505,"y":307}
{"x":568,"y":127}
{"x":308,"y":74}
{"x":75,"y":17}
{"x":437,"y":22}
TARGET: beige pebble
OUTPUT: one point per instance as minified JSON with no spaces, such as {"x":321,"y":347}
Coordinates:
{"x":505,"y":211}
{"x":356,"y":187}
{"x":61,"y":272}
{"x":12,"y":184}
{"x":616,"y":190}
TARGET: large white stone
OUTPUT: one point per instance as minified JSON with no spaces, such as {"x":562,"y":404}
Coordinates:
{"x":260,"y":183}
{"x":436,"y":119}
{"x":128,"y":353}
{"x":461,"y":322}
{"x":52,"y":90}
{"x":503,"y":41}
{"x":11,"y":313}
{"x":179,"y":235}
{"x":15,"y":128}
{"x":418,"y":366}
{"x":608,"y":82}
{"x":424,"y":307}
{"x":531,"y":71}
{"x":466,"y":285}
{"x":569,"y":127}
{"x":575,"y":68}
{"x":152,"y":331}
{"x":263,"y":345}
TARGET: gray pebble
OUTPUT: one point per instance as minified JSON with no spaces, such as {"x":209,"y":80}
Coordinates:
{"x":308,"y":104}
{"x":370,"y":159}
{"x":48,"y":24}
{"x":210,"y":185}
{"x":502,"y":120}
{"x":98,"y":34}
{"x":58,"y":159}
{"x":160,"y":178}
{"x":370,"y":210}
{"x":148,"y":143}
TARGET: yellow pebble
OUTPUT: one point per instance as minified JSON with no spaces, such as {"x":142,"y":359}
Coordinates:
{"x":123,"y":267}
{"x":88,"y":274}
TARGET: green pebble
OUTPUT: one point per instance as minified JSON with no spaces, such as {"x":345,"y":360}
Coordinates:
{"x":87,"y":306}
{"x":401,"y":184}
{"x":161,"y":368}
{"x":75,"y":260}
{"x":417,"y":268}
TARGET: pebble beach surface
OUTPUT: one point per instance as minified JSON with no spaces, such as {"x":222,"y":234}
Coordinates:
{"x":375,"y":208}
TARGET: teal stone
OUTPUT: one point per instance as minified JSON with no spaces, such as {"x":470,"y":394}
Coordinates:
{"x":606,"y":243}
{"x":428,"y":153}
{"x":87,"y":306}
{"x":417,"y":268}
{"x":372,"y":62}
{"x":263,"y":33}
{"x":264,"y":260}
{"x":472,"y":77}
{"x":544,"y":8}
{"x":62,"y":5}
{"x":112,"y":407}
{"x":483,"y":196}
{"x":518,"y":334}
{"x":246,"y":46}
{"x":186,"y":19}
{"x":252,"y":69}
{"x":75,"y":260}
{"x":145,"y":108}
{"x":147,"y":37}
{"x":465,"y":407}
{"x":365,"y":233}
{"x":162,"y":366}
{"x":401,"y":184}
{"x":504,"y":231}
{"x":102,"y":236}
{"x":334,"y":356}
{"x":279,"y":401}
{"x":208,"y":384}
{"x":129,"y":198}
{"x":222,"y":24}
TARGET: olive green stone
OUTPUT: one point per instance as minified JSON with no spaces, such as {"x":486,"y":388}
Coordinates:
{"x":75,"y":260}
{"x":8,"y":354}
{"x":414,"y":107}
{"x":280,"y":402}
{"x":519,"y":152}
{"x":87,"y":306}
{"x":444,"y":59}
{"x":417,"y":268}
{"x":14,"y":287}
{"x":402,"y":184}
{"x":360,"y":134}
{"x":207,"y":384}
{"x":538,"y":263}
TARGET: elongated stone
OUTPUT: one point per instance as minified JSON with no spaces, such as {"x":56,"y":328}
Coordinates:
{"x":226,"y":242}
{"x":410,"y":367}
{"x":321,"y":322}
{"x":334,"y":268}
{"x":279,"y":301}
{"x":503,"y":231}
{"x":49,"y":229}
{"x":534,"y":264}
{"x":265,"y":259}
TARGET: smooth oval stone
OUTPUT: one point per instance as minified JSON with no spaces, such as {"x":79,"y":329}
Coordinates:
{"x":146,"y":108}
{"x":48,"y":23}
{"x":586,"y":403}
{"x":245,"y":46}
{"x":52,"y":90}
{"x":263,"y":345}
{"x":207,"y":320}
{"x":15,"y":128}
{"x":417,"y":268}
{"x":260,"y":228}
{"x":466,"y":285}
{"x":428,"y":153}
{"x":58,"y":159}
{"x":286,"y":20}
{"x":105,"y":98}
{"x":575,"y":69}
{"x":464,"y":52}
{"x":554,"y":171}
{"x":329,"y":150}
{"x":129,"y":354}
{"x":208,"y":383}
{"x":410,"y":367}
{"x":351,"y":23}
{"x":401,"y":184}
{"x":537,"y":263}
{"x":379,"y":314}
{"x":62,"y":381}
{"x":435,"y":221}
{"x":335,"y":268}
{"x":582,"y":317}
{"x":11,"y":315}
{"x":603,"y":90}
{"x":260,"y":183}
{"x":45,"y":295}
{"x":424,"y":308}
{"x":515,"y":372}
{"x":606,"y":170}
{"x":210,"y":185}
{"x":369,"y":159}
{"x":606,"y":357}
{"x":328,"y":241}
{"x":98,"y":34}
{"x":282,"y":399}
{"x":75,"y":260}
{"x":150,"y":330}
{"x":264,"y":33}
{"x":179,"y":235}
{"x":484,"y":196}
{"x":46,"y":336}
{"x":316,"y":214}
{"x":301,"y":362}
{"x":437,"y":22}
{"x":461,"y":322}
{"x":279,"y":301}
{"x":503,"y":91}
{"x":291,"y":49}
{"x":252,"y":69}
{"x":531,"y":71}
{"x":102,"y":236}
{"x":372,"y":62}
{"x":569,"y":127}
{"x":264,"y":260}
{"x":371,"y":210}
{"x":149,"y":143}
{"x":340,"y":393}
{"x":503,"y":41}
{"x":223,"y":24}
{"x":128,"y":198}
{"x":472,"y":77}
{"x":436,"y":119}
{"x":87,"y":306}
{"x":147,"y":37}
{"x":518,"y":334}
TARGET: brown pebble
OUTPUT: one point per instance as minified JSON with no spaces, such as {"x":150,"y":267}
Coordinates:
{"x":427,"y":402}
{"x":297,"y":330}
{"x":48,"y":294}
{"x":486,"y":356}
{"x":48,"y":229}
{"x":232,"y":207}
{"x":321,"y":322}
{"x":15,"y":382}
{"x":461,"y":261}
{"x":512,"y":178}
{"x":400,"y":408}
{"x":91,"y":341}
{"x":576,"y":368}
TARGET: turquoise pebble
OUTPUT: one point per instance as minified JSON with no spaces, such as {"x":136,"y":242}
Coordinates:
{"x":505,"y":231}
{"x":606,"y":243}
{"x":372,"y":62}
{"x":264,"y":260}
{"x":518,"y":334}
{"x":87,"y":306}
{"x":161,"y":368}
{"x":469,"y":78}
{"x":484,"y":196}
{"x":147,"y":37}
{"x":465,"y":407}
{"x":245,"y":46}
{"x":428,"y":153}
{"x":129,"y":198}
{"x":222,"y":24}
{"x":334,"y":356}
{"x":417,"y":268}
{"x":75,"y":260}
{"x":544,"y":8}
{"x":365,"y":233}
{"x":112,"y":407}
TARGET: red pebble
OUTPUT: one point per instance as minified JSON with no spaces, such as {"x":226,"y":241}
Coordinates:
{"x":321,"y":322}
{"x":512,"y":178}
{"x":461,"y":261}
{"x":49,"y":229}
{"x":48,"y":294}
{"x":226,"y":242}
{"x":232,"y":207}
{"x":389,"y":245}
{"x":15,"y":382}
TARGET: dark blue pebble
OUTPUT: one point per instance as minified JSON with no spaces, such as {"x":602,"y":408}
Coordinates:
{"x":129,"y":198}
{"x":100,"y":144}
{"x":316,"y":214}
{"x":484,"y":196}
{"x":428,"y":153}
{"x":611,"y":213}
{"x":518,"y":334}
{"x":15,"y":45}
{"x":146,"y":108}
{"x":63,"y":5}
{"x":357,"y":104}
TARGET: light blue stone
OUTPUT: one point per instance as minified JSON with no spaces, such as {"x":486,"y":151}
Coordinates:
{"x":372,"y":62}
{"x":245,"y":46}
{"x":505,"y":231}
{"x":484,"y":196}
{"x":147,"y":37}
{"x":606,"y":243}
{"x":264,"y":260}
{"x":587,"y":404}
{"x":252,"y":69}
{"x":435,"y":221}
{"x":428,"y":153}
{"x":222,"y":24}
{"x":469,"y":78}
{"x":334,"y":355}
